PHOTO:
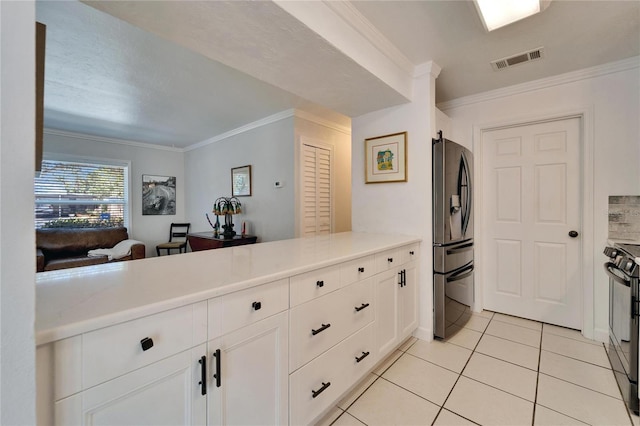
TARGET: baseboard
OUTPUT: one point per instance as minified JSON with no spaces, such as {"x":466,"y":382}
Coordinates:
{"x":422,"y":333}
{"x":601,"y":335}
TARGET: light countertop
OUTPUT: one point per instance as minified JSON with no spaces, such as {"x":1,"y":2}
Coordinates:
{"x":78,"y":300}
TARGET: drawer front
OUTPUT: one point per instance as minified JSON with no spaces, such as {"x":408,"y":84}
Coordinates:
{"x":388,"y":259}
{"x":358,"y":305}
{"x":332,"y":318}
{"x":409,"y":252}
{"x":335,"y":370}
{"x":308,"y":286}
{"x":236,"y":310}
{"x":113,"y":351}
{"x":356,"y":270}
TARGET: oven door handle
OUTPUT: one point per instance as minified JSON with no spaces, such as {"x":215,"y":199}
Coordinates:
{"x":615,"y":277}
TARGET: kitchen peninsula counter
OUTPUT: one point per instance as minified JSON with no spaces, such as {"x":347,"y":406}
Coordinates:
{"x":75,"y":301}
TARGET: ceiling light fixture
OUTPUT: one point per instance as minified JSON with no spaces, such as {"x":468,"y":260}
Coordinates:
{"x":498,"y":13}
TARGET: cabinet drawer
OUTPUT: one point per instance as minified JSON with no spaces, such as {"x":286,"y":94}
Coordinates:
{"x":356,"y":270}
{"x":235,"y":310}
{"x":336,"y":371}
{"x":320,"y":324}
{"x":113,"y":351}
{"x":308,"y":286}
{"x":388,"y":259}
{"x":409,"y":252}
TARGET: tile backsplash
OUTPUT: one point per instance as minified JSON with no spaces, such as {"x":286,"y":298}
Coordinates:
{"x":624,"y":217}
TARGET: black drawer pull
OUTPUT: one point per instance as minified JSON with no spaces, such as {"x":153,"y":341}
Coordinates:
{"x":361,"y":307}
{"x":256,"y":306}
{"x":390,"y":259}
{"x":203,"y":375}
{"x":360,"y":269}
{"x":320,"y":330}
{"x":364,"y":355}
{"x":411,"y":253}
{"x":319,"y":391}
{"x":218,"y":375}
{"x":146,"y":343}
{"x":320,"y":284}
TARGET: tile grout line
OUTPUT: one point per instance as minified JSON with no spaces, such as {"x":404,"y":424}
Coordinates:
{"x":535,"y":398}
{"x":460,"y":374}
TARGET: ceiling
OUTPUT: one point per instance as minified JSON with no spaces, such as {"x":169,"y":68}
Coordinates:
{"x":178,"y":73}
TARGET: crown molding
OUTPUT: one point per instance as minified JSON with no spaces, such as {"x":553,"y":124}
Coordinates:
{"x":322,"y":121}
{"x":247,"y":127}
{"x":352,"y":16}
{"x":427,"y":68}
{"x":543,"y":83}
{"x":74,"y":135}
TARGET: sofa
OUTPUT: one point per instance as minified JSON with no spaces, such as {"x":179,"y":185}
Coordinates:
{"x":61,"y":248}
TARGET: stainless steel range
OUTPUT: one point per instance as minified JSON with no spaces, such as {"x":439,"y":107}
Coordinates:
{"x":624,"y":310}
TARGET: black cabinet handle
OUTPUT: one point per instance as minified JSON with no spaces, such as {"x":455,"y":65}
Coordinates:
{"x":361,"y":307}
{"x":360,"y":269}
{"x":364,"y":355}
{"x":390,"y":259}
{"x":411,"y":253}
{"x":401,"y":283}
{"x":218,"y":375}
{"x":256,"y":306}
{"x":319,"y":391}
{"x":320,"y":330}
{"x":146,"y":343}
{"x":203,"y":375}
{"x":319,"y":284}
{"x":404,"y":278}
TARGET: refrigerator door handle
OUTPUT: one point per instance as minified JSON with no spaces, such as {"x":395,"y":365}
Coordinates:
{"x":463,"y":175}
{"x":460,"y":249}
{"x":461,"y":274}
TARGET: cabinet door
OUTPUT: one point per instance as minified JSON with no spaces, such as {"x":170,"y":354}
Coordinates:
{"x":386,"y":303}
{"x":252,"y":370}
{"x":408,"y":300}
{"x":164,"y":393}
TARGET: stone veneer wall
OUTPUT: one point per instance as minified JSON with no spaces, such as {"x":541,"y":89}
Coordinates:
{"x":624,"y":217}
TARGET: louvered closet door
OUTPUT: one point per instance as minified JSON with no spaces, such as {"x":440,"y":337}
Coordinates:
{"x":316,"y":204}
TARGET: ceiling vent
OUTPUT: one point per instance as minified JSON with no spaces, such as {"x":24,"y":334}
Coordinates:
{"x":520,"y":58}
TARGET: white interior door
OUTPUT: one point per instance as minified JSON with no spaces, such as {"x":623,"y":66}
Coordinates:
{"x":531,"y":198}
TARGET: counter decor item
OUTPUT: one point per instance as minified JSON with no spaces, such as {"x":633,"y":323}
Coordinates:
{"x":227,"y":207}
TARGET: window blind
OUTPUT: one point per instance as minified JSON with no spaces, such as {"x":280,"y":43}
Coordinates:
{"x":76,"y":194}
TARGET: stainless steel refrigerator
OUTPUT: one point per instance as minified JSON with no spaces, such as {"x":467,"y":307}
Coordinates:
{"x":452,"y":236}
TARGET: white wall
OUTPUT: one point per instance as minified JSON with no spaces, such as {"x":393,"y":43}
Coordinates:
{"x":614,"y":100}
{"x":402,"y":207}
{"x":340,"y":139}
{"x":151,"y":230}
{"x":269,"y":150}
{"x":17,"y":236}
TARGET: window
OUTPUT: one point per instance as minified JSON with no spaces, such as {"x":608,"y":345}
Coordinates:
{"x":81,"y":194}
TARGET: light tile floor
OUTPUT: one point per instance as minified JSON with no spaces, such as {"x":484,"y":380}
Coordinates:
{"x":497,"y":370}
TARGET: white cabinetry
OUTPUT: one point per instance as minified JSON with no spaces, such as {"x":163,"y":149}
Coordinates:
{"x":249,"y":376}
{"x":280,"y":353}
{"x":396,"y":297}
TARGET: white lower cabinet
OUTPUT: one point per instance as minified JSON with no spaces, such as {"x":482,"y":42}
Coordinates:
{"x":164,"y":393}
{"x":248,"y":374}
{"x":318,"y":385}
{"x":386,"y":287}
{"x":408,"y":300}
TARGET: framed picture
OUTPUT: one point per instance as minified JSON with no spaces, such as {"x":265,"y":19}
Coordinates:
{"x":386,"y":158}
{"x":241,"y":181}
{"x":158,"y":195}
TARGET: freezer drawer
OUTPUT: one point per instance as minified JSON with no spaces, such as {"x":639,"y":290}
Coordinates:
{"x":452,"y":299}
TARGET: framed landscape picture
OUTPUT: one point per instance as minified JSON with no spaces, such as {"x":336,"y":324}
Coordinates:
{"x":158,"y":195}
{"x":386,"y":158}
{"x":241,"y":181}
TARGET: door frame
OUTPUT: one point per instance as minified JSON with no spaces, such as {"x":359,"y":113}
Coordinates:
{"x":585,"y":115}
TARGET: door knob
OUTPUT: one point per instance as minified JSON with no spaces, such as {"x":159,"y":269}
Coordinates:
{"x":573,"y":234}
